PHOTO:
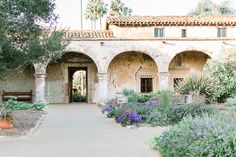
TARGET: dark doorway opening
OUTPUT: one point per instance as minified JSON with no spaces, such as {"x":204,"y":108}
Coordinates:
{"x":78,"y":82}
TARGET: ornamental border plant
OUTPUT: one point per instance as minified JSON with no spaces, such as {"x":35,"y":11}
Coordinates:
{"x":207,"y":135}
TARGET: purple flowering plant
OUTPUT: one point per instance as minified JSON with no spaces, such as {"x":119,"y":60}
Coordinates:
{"x":109,"y":108}
{"x":128,"y":117}
{"x":106,"y":109}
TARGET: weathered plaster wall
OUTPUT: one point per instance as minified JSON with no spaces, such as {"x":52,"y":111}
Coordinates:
{"x":22,"y":81}
{"x":54,"y":83}
{"x":103,"y":53}
{"x":172,"y":31}
{"x":192,"y":62}
{"x":127,"y":68}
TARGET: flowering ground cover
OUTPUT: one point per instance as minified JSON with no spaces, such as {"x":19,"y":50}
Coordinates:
{"x":157,"y":110}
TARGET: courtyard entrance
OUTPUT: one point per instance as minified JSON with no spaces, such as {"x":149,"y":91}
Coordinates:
{"x":73,"y":78}
{"x":78,"y":80}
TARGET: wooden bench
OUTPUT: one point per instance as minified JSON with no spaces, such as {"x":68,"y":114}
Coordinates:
{"x":19,"y":96}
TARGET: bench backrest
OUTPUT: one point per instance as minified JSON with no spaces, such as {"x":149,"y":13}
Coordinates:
{"x":16,"y":93}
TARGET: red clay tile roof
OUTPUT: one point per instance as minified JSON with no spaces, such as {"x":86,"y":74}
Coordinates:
{"x":171,"y":21}
{"x":90,"y":34}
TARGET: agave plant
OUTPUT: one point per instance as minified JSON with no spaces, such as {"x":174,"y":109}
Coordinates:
{"x":200,"y":85}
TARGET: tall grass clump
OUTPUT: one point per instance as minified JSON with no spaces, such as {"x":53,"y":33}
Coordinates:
{"x":200,"y":85}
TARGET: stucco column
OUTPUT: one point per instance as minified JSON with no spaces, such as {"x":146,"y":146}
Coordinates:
{"x":40,"y":83}
{"x":102,"y":86}
{"x":163,"y":80}
{"x":40,"y":88}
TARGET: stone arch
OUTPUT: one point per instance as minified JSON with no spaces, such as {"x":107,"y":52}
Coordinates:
{"x":128,"y":70}
{"x":151,"y":53}
{"x":96,"y":62}
{"x":171,"y":56}
{"x":60,"y":76}
{"x":185,"y":63}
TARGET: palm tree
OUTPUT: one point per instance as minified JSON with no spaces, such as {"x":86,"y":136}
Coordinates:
{"x":91,"y":13}
{"x":102,"y":10}
{"x":96,"y":9}
{"x":120,"y":8}
{"x":81,"y":14}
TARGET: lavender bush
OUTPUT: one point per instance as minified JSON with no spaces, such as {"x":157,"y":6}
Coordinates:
{"x":202,"y":136}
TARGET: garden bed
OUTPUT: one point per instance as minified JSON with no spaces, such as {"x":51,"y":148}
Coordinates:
{"x":24,"y":121}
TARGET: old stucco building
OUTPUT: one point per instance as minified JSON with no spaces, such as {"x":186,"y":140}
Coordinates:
{"x":138,"y":52}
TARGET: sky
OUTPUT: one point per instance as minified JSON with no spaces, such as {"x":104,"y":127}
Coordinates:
{"x":69,"y":10}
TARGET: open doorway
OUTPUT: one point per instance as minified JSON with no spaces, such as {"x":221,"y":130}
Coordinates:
{"x":78,"y":81}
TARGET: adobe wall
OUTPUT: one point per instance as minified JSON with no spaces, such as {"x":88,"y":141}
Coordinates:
{"x":171,"y":31}
{"x":192,"y":63}
{"x":22,"y":81}
{"x":54,"y":83}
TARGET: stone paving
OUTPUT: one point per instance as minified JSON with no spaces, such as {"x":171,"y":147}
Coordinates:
{"x":80,"y":130}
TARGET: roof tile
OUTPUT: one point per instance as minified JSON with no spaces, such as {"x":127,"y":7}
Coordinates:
{"x":171,"y":20}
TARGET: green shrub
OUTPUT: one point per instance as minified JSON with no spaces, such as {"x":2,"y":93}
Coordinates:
{"x":78,"y":98}
{"x":222,"y":146}
{"x":127,"y":92}
{"x":175,"y":113}
{"x":144,"y":98}
{"x":111,"y":113}
{"x":200,"y":85}
{"x":133,"y":97}
{"x":157,"y":117}
{"x":17,"y":105}
{"x":203,"y":136}
{"x":225,"y":74}
{"x":230,"y":102}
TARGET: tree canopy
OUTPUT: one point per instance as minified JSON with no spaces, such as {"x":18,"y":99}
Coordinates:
{"x":121,"y":9}
{"x":23,"y":37}
{"x":208,"y":7}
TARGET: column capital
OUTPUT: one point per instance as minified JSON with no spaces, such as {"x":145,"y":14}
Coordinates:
{"x":40,"y":68}
{"x":163,"y":73}
{"x":40,"y":75}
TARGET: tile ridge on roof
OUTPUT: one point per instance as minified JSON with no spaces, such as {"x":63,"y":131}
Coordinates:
{"x":200,"y":19}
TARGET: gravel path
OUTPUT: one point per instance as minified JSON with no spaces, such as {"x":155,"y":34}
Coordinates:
{"x":24,"y":120}
{"x":80,"y":130}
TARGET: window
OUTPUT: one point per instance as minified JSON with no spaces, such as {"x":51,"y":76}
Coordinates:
{"x":177,"y":81}
{"x":146,"y":85}
{"x":159,"y":32}
{"x":178,"y":60}
{"x":183,"y":32}
{"x":221,"y":32}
